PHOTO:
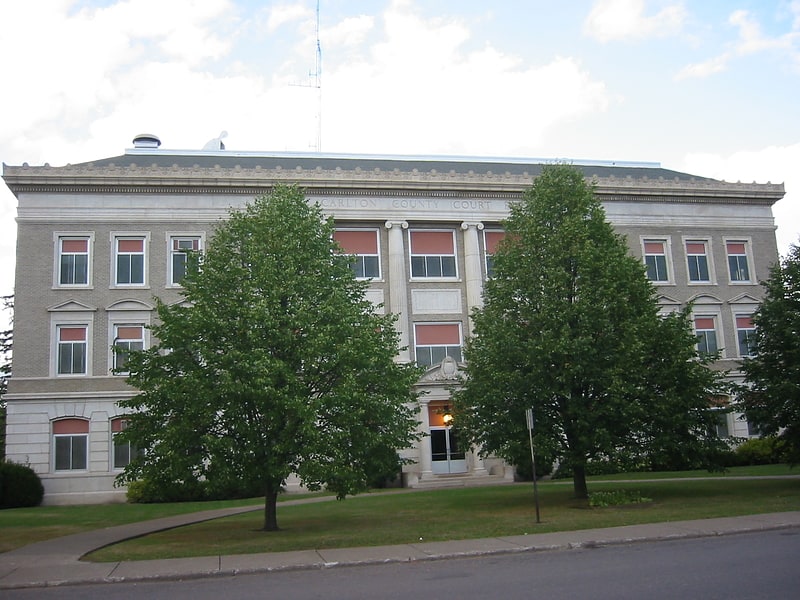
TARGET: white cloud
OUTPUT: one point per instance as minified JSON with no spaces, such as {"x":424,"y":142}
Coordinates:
{"x":421,"y":90}
{"x":625,"y":19}
{"x":350,"y":32}
{"x":98,"y":53}
{"x":751,"y":40}
{"x":287,"y":13}
{"x":776,"y":164}
{"x":704,"y":69}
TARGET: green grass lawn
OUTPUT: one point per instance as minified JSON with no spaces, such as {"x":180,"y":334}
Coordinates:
{"x":459,"y":514}
{"x":402,"y":517}
{"x":22,"y":526}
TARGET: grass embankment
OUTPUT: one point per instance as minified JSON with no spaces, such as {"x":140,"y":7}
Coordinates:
{"x":458,"y":514}
{"x":398,"y":518}
{"x":23,"y":526}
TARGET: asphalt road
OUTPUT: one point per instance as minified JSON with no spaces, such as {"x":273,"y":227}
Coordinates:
{"x":763,"y":565}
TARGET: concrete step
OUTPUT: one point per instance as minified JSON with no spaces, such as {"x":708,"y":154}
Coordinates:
{"x":460,"y":480}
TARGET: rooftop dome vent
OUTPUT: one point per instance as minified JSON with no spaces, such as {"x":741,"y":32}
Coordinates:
{"x":146,"y":140}
{"x":216,"y":143}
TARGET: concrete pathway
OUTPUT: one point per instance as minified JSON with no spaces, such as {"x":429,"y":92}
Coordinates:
{"x":57,"y":561}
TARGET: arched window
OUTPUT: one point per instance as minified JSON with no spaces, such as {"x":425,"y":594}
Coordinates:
{"x":122,"y":452}
{"x":71,"y":444}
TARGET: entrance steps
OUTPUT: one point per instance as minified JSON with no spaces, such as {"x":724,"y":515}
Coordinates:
{"x":457,"y":480}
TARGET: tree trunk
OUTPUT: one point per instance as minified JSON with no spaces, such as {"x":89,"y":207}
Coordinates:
{"x":271,"y":508}
{"x":579,"y":481}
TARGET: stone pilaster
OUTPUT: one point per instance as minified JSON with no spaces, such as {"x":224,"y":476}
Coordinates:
{"x":473,"y":276}
{"x":398,"y":284}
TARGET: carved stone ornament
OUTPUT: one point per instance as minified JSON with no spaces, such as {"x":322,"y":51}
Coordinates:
{"x":447,"y":370}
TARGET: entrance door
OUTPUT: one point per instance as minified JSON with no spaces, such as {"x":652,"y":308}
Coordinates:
{"x":446,"y":456}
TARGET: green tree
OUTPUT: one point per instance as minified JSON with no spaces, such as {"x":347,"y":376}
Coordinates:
{"x":570,"y":328}
{"x":274,"y":364}
{"x":771,"y":399}
{"x":6,"y":338}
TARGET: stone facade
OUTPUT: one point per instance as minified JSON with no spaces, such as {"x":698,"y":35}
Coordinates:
{"x":81,"y":225}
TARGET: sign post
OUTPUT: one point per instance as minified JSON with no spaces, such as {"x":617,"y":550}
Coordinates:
{"x":529,"y":419}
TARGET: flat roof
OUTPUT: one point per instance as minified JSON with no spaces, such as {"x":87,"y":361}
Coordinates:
{"x":144,"y":157}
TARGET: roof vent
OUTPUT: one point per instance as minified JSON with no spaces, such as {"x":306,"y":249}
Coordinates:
{"x":146,"y":140}
{"x":216,"y":143}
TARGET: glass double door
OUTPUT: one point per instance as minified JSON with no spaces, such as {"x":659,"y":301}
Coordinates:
{"x":446,"y":454}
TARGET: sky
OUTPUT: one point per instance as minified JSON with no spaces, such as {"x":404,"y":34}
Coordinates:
{"x":707,"y":87}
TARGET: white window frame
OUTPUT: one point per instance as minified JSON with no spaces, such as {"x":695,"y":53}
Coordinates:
{"x":118,"y":236}
{"x":132,"y":452}
{"x":116,"y":342}
{"x":377,"y":232}
{"x":460,"y":345}
{"x":56,"y":346}
{"x":709,"y":261}
{"x":487,"y":256}
{"x":748,"y":254}
{"x":412,"y":256}
{"x":667,"y":241}
{"x":171,"y":252}
{"x":715,"y":316}
{"x":58,"y":238}
{"x":72,"y":436}
{"x":736,"y":317}
{"x":120,"y":317}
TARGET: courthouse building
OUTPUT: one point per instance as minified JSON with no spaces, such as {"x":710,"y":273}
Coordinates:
{"x":98,"y":241}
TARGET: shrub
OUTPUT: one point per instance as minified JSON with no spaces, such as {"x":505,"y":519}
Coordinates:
{"x":147,"y":492}
{"x":20,"y":486}
{"x":760,"y":451}
{"x":616,"y":498}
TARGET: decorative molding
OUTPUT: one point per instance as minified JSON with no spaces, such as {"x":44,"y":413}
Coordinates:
{"x":236,"y":180}
{"x":72,"y":306}
{"x":129,"y":304}
{"x":446,"y":371}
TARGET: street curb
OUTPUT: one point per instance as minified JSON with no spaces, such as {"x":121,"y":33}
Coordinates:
{"x":246,"y":564}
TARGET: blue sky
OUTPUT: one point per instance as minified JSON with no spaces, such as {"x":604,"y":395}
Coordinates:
{"x":709,"y":87}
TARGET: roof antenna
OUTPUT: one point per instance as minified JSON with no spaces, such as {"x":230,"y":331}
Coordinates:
{"x":315,"y":78}
{"x":318,"y":84}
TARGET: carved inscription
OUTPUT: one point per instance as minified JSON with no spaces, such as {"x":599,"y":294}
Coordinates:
{"x":408,"y":204}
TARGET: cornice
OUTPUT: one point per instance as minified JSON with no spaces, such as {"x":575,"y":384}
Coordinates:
{"x":156,"y":179}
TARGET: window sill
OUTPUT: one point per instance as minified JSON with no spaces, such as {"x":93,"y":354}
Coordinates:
{"x":435,"y":279}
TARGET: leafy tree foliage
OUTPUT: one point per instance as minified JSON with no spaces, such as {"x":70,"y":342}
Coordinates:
{"x":6,"y":338}
{"x":274,"y":364}
{"x":772,"y":400}
{"x":570,"y":327}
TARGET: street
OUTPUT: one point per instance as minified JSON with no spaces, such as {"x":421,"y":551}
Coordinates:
{"x":760,"y":565}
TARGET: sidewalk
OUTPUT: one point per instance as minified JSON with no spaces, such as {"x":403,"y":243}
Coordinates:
{"x":57,"y":562}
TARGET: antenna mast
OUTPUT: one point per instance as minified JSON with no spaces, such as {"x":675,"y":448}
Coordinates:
{"x":318,"y":85}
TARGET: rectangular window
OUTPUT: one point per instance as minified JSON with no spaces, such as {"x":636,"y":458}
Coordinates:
{"x":435,"y":341}
{"x":722,"y":429}
{"x":70,"y":444}
{"x":123,"y":452}
{"x":130,"y":261}
{"x":655,"y":257}
{"x":745,"y":334}
{"x":72,"y":350}
{"x":491,"y":239}
{"x":433,"y":254}
{"x":126,"y":339}
{"x":697,"y":262}
{"x":179,"y":248}
{"x":737,"y":261}
{"x":706,"y":331}
{"x":363,"y":245}
{"x":73,"y":261}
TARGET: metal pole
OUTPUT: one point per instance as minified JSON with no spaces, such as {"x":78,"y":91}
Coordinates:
{"x":529,"y":419}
